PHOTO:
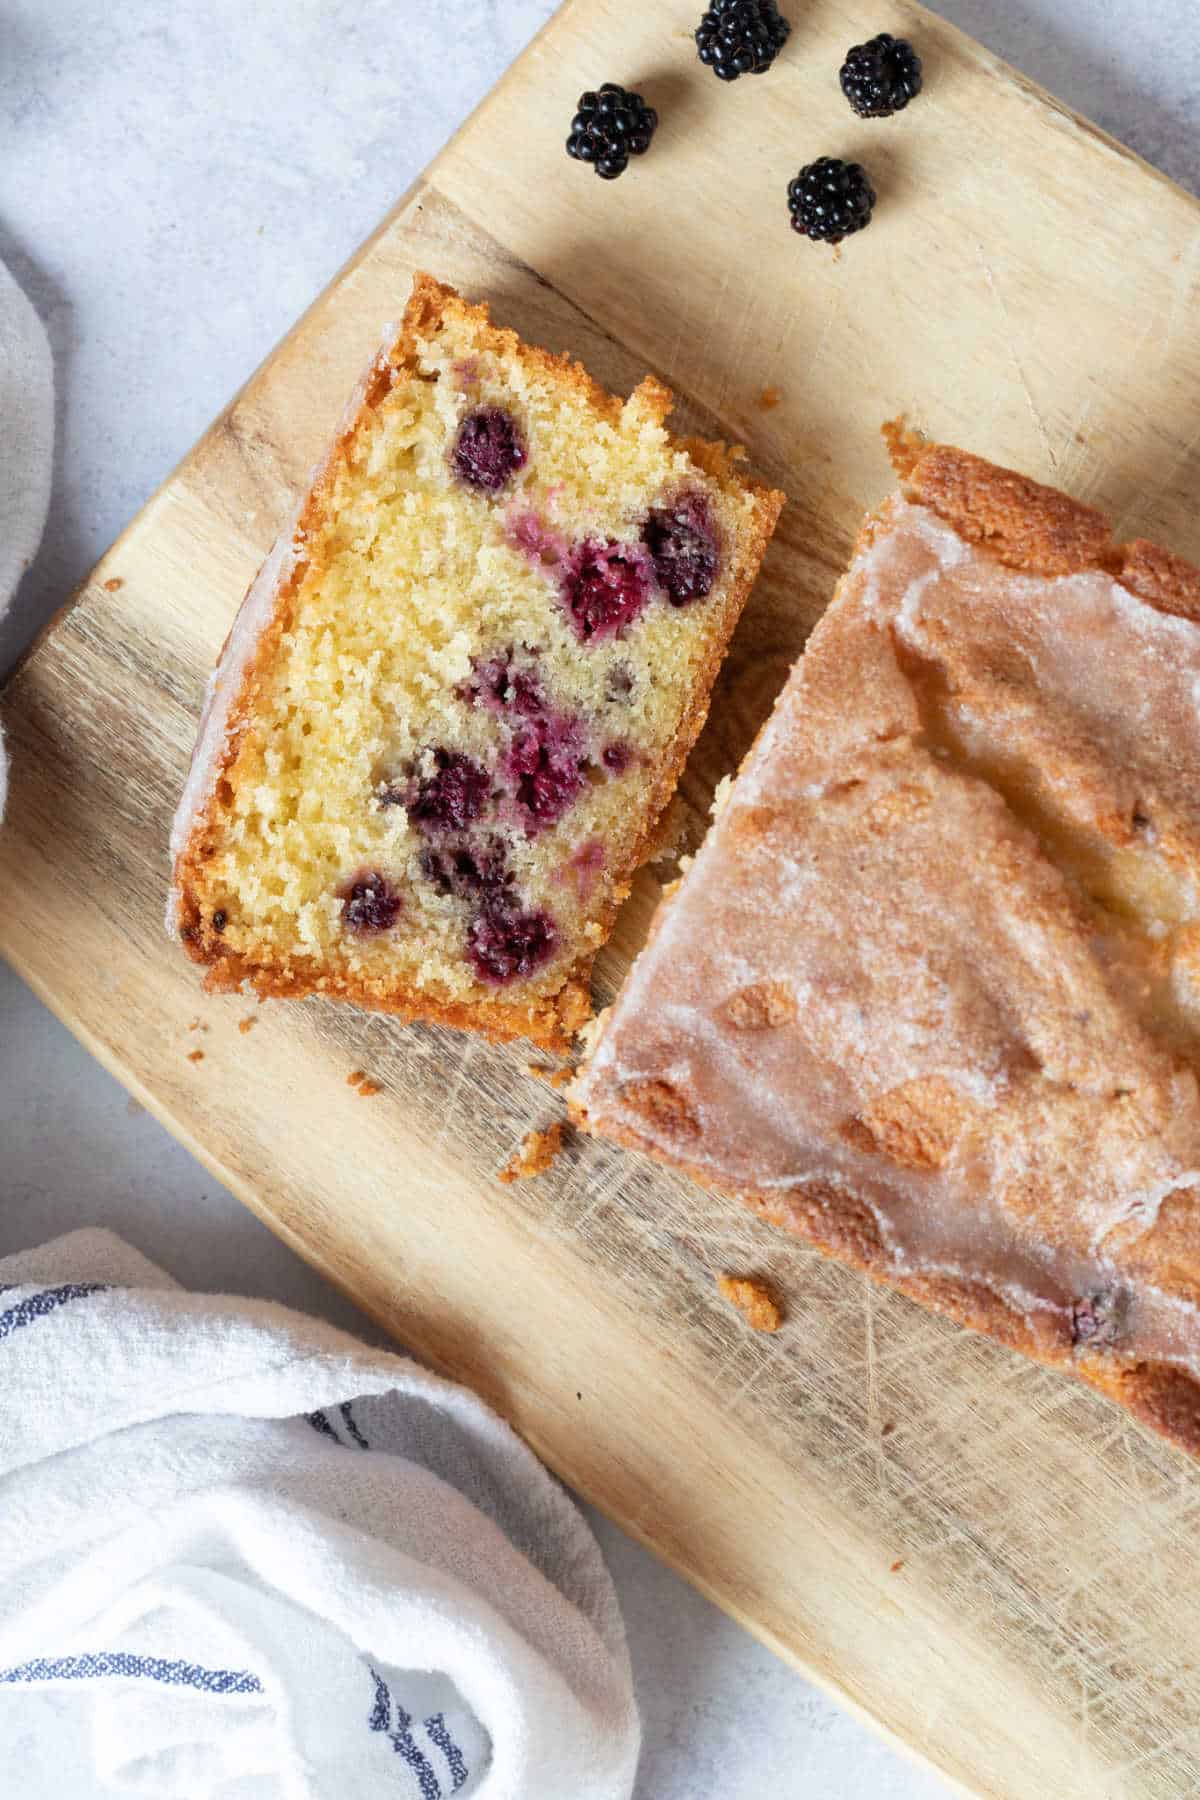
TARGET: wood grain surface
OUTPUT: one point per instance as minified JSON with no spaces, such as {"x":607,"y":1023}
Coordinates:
{"x":997,"y":1567}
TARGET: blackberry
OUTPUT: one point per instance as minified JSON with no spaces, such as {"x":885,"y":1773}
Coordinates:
{"x":370,"y":904}
{"x":682,"y":543}
{"x":881,"y":77}
{"x":488,"y":450}
{"x":451,"y":796}
{"x":741,"y":37}
{"x":609,"y":128}
{"x":545,"y":764}
{"x":829,"y":199}
{"x":604,"y":588}
{"x":505,"y":943}
{"x":462,"y":870}
{"x":502,"y":686}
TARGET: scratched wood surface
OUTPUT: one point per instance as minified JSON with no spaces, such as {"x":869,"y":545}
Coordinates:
{"x":1000,"y":1570}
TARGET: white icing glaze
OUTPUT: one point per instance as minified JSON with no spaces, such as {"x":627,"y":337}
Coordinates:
{"x":949,"y":975}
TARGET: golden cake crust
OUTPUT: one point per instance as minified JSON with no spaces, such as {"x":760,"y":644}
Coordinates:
{"x":1041,"y":532}
{"x":551,"y":1021}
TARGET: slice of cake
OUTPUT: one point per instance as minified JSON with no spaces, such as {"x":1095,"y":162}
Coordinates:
{"x":461,"y":690}
{"x":930,"y":993}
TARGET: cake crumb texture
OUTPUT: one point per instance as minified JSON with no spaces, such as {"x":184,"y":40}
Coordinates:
{"x":536,"y":1153}
{"x":555,"y":1078}
{"x":363,"y":1084}
{"x":461,"y":691}
{"x":754,"y":1300}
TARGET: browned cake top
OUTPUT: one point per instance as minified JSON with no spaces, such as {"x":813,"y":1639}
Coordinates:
{"x":941,"y":949}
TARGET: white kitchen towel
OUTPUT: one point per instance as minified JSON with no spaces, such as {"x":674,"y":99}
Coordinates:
{"x":26,"y":445}
{"x":243,"y":1554}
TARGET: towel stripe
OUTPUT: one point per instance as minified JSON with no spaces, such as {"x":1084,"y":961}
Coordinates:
{"x":36,"y":1306}
{"x":381,"y":1712}
{"x":403,"y":1742}
{"x":320,"y":1422}
{"x":422,"y":1768}
{"x":149,"y":1668}
{"x":352,"y":1427}
{"x":436,"y":1727}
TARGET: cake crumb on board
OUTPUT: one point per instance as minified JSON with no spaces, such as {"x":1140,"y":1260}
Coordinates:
{"x":555,"y":1078}
{"x":535,"y":1154}
{"x":768,"y":399}
{"x":359,"y":1079}
{"x":248,"y":1023}
{"x":196,"y":1056}
{"x":754,"y":1300}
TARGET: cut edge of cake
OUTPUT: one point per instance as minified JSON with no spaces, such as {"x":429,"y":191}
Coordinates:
{"x":1039,"y":530}
{"x":254,"y":638}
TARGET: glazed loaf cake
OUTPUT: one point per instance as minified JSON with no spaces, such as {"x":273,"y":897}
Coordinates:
{"x":459,"y":695}
{"x":930,"y":993}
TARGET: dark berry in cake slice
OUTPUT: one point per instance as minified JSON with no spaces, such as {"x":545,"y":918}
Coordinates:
{"x":741,"y":37}
{"x":503,"y":685}
{"x":546,"y":765}
{"x":370,"y":904}
{"x":881,"y":77}
{"x":682,"y":542}
{"x":829,"y":199}
{"x":616,"y":757}
{"x":506,"y":943}
{"x":488,"y":450}
{"x":468,"y":870}
{"x":604,"y":588}
{"x":609,"y":127}
{"x":451,"y":796}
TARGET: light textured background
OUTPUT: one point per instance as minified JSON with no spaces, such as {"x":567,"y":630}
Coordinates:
{"x":180,"y":177}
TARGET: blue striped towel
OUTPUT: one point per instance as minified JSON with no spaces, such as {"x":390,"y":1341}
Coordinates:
{"x":241,"y":1554}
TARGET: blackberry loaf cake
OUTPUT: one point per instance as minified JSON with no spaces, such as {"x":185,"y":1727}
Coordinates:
{"x":461,"y":690}
{"x":930,"y":993}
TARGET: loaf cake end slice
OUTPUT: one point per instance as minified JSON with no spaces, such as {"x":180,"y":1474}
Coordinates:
{"x":930,"y":992}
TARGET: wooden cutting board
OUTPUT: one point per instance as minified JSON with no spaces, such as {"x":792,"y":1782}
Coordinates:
{"x":1000,"y":1570}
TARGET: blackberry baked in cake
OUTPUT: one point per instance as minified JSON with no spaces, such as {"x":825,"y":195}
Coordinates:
{"x":459,"y":694}
{"x":930,"y":992}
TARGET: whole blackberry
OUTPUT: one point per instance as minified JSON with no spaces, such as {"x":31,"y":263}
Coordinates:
{"x":741,"y":37}
{"x":881,"y":77}
{"x":609,"y":128}
{"x":829,"y":199}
